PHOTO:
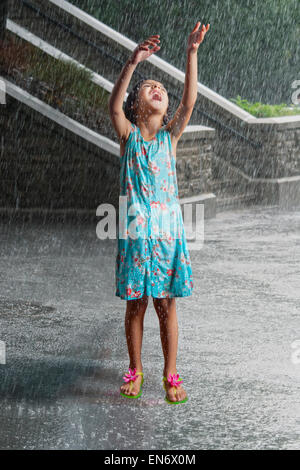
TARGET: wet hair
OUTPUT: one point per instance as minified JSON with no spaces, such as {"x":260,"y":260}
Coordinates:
{"x":131,"y":99}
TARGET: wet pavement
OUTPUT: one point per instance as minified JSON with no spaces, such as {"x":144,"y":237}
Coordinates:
{"x":66,"y":349}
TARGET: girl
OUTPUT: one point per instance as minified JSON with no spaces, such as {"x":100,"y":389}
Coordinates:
{"x":150,"y":264}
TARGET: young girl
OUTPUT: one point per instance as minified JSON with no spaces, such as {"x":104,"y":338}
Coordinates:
{"x":148,"y":264}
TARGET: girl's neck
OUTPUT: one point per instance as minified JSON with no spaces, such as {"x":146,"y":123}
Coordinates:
{"x":149,"y":128}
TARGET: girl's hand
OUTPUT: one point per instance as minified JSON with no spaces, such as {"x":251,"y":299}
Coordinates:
{"x":196,"y":37}
{"x":142,"y":51}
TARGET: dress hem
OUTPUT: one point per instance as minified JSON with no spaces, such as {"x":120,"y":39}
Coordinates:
{"x":150,"y":295}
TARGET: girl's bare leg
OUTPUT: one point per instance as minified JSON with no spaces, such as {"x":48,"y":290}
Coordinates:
{"x":166,"y":312}
{"x":134,"y":327}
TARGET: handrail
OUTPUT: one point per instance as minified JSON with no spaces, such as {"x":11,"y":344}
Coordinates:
{"x":61,"y":119}
{"x":215,"y":121}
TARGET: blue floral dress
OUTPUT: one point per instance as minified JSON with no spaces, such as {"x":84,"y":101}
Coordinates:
{"x":152,"y":255}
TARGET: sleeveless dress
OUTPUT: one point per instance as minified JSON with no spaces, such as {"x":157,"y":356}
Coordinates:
{"x":152,"y":255}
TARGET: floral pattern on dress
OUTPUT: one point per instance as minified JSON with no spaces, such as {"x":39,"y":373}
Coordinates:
{"x":157,"y":262}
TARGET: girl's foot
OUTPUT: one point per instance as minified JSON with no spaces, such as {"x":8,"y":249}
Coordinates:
{"x":170,"y":391}
{"x":132,"y":388}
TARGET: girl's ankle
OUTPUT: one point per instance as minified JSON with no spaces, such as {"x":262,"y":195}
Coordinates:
{"x":138,"y":369}
{"x":166,"y":374}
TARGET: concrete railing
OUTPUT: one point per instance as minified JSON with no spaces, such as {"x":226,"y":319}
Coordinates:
{"x":56,"y":53}
{"x":159,"y":63}
{"x":61,"y":119}
{"x":273,"y":159}
{"x":194,"y":162}
{"x":167,"y":68}
{"x":71,"y":137}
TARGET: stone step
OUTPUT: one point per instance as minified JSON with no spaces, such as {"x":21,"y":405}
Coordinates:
{"x":45,"y":158}
{"x":47,"y":163}
{"x":57,"y":204}
{"x":58,"y":188}
{"x":231,"y":187}
{"x":222,"y":184}
{"x":241,"y":200}
{"x":103,"y":63}
{"x":7,"y":200}
{"x":54,"y":177}
{"x":186,"y":151}
{"x":36,"y":189}
{"x":206,"y":199}
{"x":49,"y":215}
{"x":225,"y":189}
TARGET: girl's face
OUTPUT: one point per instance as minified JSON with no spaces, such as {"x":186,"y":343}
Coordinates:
{"x":153,"y":95}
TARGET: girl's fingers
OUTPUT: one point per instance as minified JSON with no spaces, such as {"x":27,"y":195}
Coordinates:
{"x":153,"y":38}
{"x":196,"y":27}
{"x":146,"y":49}
{"x":155,"y":49}
{"x":150,"y":45}
{"x":202,"y":33}
{"x":203,"y":28}
{"x":150,"y":42}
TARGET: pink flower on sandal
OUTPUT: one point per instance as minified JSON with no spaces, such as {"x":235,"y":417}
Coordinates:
{"x":131,"y":375}
{"x":174,"y":380}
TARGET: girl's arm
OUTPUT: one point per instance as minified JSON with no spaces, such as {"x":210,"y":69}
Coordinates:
{"x":115,"y":104}
{"x":184,"y":111}
{"x":116,"y":100}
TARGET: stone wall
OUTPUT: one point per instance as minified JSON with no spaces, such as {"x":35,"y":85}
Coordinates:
{"x":107,"y":60}
{"x":260,"y":149}
{"x":194,"y":162}
{"x":43,"y":165}
{"x":46,"y":166}
{"x":276,"y":155}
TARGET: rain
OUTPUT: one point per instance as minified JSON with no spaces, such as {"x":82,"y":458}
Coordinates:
{"x":66,"y":338}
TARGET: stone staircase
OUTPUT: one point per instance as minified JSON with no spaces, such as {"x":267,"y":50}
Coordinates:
{"x":47,"y":170}
{"x":229,"y":195}
{"x":108,"y":60}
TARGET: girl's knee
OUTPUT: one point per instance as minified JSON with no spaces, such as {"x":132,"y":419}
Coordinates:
{"x":137,"y":306}
{"x":163,"y":306}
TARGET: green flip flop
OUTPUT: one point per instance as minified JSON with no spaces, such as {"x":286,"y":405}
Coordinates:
{"x":130,"y":377}
{"x":175,"y":381}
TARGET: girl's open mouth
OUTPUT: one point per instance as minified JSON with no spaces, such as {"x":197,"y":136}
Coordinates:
{"x":156,"y":96}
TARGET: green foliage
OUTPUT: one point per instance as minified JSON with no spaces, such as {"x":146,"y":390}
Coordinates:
{"x":67,"y":77}
{"x":261,"y":110}
{"x":63,"y":78}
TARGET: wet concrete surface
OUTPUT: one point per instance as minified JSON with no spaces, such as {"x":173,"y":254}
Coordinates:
{"x":66,"y":350}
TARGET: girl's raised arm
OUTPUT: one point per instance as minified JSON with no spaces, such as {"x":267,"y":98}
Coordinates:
{"x":116,"y":100}
{"x":184,"y":111}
